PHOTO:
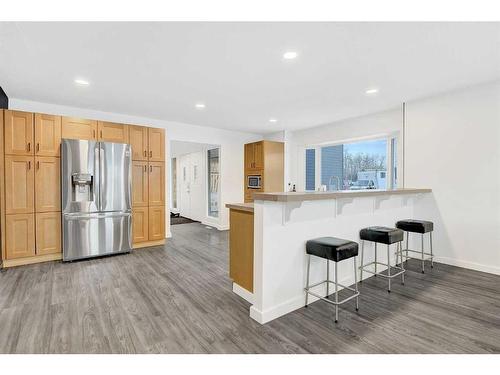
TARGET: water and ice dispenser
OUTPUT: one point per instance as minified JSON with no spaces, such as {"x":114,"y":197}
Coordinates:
{"x":83,"y":187}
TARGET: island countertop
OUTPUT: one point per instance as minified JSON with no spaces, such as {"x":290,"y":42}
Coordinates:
{"x":317,"y":195}
{"x":240,"y":206}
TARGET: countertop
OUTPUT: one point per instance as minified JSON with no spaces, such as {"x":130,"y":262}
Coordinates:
{"x":240,"y":206}
{"x":317,"y":195}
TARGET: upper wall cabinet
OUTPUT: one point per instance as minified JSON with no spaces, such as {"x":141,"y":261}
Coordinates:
{"x":156,"y":141}
{"x":47,"y":135}
{"x":112,"y":132}
{"x":75,"y":128}
{"x":138,"y":137}
{"x":19,"y":133}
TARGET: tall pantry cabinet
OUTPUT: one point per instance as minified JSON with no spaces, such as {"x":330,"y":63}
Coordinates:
{"x":30,"y":192}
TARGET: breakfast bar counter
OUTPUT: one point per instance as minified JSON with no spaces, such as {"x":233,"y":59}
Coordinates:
{"x":284,"y":222}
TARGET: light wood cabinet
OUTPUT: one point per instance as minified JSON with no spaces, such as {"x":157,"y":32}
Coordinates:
{"x":48,"y":233}
{"x":19,"y":184}
{"x":156,"y":223}
{"x":249,"y":156}
{"x":75,"y":128}
{"x":47,"y":135}
{"x":20,"y":236}
{"x":138,"y":139}
{"x":156,"y":144}
{"x":258,"y":155}
{"x":47,"y":184}
{"x":241,"y":250}
{"x":140,"y":226}
{"x":112,"y":132}
{"x":140,"y":178}
{"x":19,"y":133}
{"x":156,"y":184}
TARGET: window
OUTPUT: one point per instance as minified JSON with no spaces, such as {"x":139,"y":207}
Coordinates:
{"x":352,"y":166}
{"x":213,"y":182}
{"x":310,"y":169}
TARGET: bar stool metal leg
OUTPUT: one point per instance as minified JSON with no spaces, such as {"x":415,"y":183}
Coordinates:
{"x":389,"y":266}
{"x":356,"y":283}
{"x":432,"y":254}
{"x":422,"y":248}
{"x":307,"y":282}
{"x":407,"y":244}
{"x":375,"y":259}
{"x":401,"y":265}
{"x":336,"y":296}
{"x":362,"y":264}
{"x":327,"y":278}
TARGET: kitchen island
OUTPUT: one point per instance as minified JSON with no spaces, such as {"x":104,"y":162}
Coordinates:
{"x":283,"y":222}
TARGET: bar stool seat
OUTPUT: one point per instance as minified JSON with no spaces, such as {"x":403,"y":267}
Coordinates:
{"x":421,"y":227}
{"x":415,"y":226}
{"x":384,"y":235}
{"x":336,"y":250}
{"x":332,"y":248}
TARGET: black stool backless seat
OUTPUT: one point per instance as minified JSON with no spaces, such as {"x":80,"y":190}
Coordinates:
{"x":420,"y":227}
{"x":336,"y":250}
{"x":386,"y":236}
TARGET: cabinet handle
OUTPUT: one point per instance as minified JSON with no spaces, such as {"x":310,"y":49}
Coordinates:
{"x":29,"y":165}
{"x":38,"y":146}
{"x":150,"y":154}
{"x":37,"y":165}
{"x":150,"y":168}
{"x":29,"y":146}
{"x":145,"y":168}
{"x":101,"y":134}
{"x":145,"y":153}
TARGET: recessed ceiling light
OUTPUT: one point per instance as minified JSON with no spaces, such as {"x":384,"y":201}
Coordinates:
{"x":371,"y":91}
{"x":199,"y":105}
{"x":82,"y":82}
{"x":273,"y":120}
{"x":290,"y":55}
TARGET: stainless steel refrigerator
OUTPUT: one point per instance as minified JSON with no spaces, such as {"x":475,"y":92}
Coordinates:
{"x":96,"y":198}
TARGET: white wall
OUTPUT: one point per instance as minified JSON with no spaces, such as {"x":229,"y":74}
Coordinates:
{"x":231,"y":144}
{"x":379,"y":124}
{"x":453,"y":147}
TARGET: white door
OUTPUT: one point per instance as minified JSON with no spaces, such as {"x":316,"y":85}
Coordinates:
{"x":184,"y":177}
{"x":197,"y":191}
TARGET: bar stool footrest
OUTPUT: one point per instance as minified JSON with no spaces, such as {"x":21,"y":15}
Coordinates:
{"x":401,"y":270}
{"x":356,"y":294}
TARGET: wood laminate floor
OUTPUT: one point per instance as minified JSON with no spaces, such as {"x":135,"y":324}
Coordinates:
{"x":178,"y":299}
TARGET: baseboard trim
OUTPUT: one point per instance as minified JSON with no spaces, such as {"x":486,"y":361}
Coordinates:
{"x":142,"y":245}
{"x":7,"y":263}
{"x":216,"y":226}
{"x":469,"y":265}
{"x":243,"y":293}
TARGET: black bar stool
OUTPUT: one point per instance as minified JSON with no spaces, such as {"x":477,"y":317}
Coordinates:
{"x":335,"y":249}
{"x":422,"y":227}
{"x":386,"y":236}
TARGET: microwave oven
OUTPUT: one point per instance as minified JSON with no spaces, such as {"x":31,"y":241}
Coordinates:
{"x":254,"y":182}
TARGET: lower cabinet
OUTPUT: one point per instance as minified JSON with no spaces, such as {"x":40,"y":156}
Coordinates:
{"x":19,"y":236}
{"x":156,"y":223}
{"x":140,"y":226}
{"x":48,"y":233}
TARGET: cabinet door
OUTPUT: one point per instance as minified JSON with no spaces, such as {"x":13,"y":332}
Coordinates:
{"x":48,"y":233}
{"x":156,"y":143}
{"x":258,"y":155}
{"x":156,"y":184}
{"x":47,"y":184}
{"x":112,"y":132}
{"x":19,"y":236}
{"x":249,"y":151}
{"x":75,"y":128}
{"x":138,"y":137}
{"x":156,"y":223}
{"x":140,"y":176}
{"x":19,"y":133}
{"x":140,"y":226}
{"x":47,"y":135}
{"x":19,"y":184}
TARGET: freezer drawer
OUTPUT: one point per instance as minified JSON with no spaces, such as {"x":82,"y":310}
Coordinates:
{"x":90,"y":235}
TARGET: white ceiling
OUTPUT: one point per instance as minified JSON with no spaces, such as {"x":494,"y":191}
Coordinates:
{"x":160,"y":70}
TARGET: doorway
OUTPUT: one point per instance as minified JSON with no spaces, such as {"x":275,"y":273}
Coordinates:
{"x":195,"y":182}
